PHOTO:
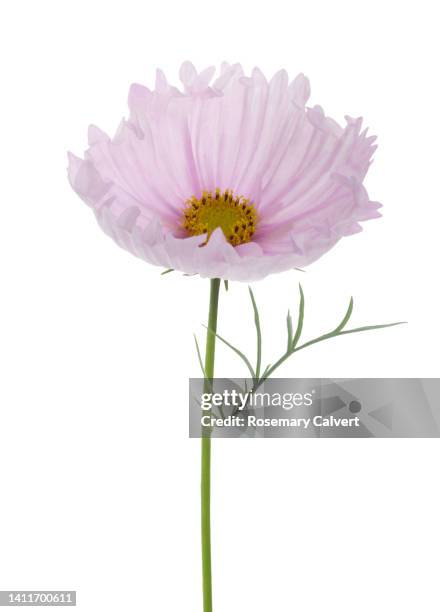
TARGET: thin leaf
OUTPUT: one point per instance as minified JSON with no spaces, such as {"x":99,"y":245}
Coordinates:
{"x":289,"y":330}
{"x":265,"y":371}
{"x":346,"y":318}
{"x":370,"y":327}
{"x":258,"y":329}
{"x":199,"y":355}
{"x":348,"y":331}
{"x":327,"y":337}
{"x":226,"y":285}
{"x":236,"y":350}
{"x":299,"y":325}
{"x":167,"y":271}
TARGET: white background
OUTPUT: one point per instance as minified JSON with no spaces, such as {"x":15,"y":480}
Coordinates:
{"x":99,"y":483}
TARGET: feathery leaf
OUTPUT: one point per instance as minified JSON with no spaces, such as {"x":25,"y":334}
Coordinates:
{"x":289,"y":330}
{"x":300,"y":323}
{"x":199,"y":355}
{"x":258,"y":329}
{"x":346,"y":318}
{"x":236,"y":350}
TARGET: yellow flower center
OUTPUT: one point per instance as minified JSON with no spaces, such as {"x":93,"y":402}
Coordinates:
{"x":235,"y":215}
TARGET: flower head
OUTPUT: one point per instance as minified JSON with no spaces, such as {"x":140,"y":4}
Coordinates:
{"x":232,"y":178}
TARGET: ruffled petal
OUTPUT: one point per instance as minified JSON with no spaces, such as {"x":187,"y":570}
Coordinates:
{"x":302,"y":171}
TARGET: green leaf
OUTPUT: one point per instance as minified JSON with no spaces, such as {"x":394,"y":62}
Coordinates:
{"x":300,"y":323}
{"x":267,"y":368}
{"x":370,"y":327}
{"x":167,"y":271}
{"x":258,"y":329}
{"x":348,"y":331}
{"x":236,"y":350}
{"x":199,"y":355}
{"x":346,"y":318}
{"x":289,"y":330}
{"x":226,"y":285}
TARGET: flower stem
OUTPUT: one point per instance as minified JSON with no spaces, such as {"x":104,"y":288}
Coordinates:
{"x":206,"y":451}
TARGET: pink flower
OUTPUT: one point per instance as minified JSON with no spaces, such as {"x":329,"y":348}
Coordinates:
{"x":233,"y":178}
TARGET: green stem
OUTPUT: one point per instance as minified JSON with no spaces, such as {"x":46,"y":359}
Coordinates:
{"x":206,"y":451}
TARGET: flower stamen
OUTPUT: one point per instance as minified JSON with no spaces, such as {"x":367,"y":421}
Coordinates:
{"x":235,"y":215}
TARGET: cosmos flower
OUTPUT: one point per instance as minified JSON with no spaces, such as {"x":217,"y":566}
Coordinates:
{"x":231,"y":178}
